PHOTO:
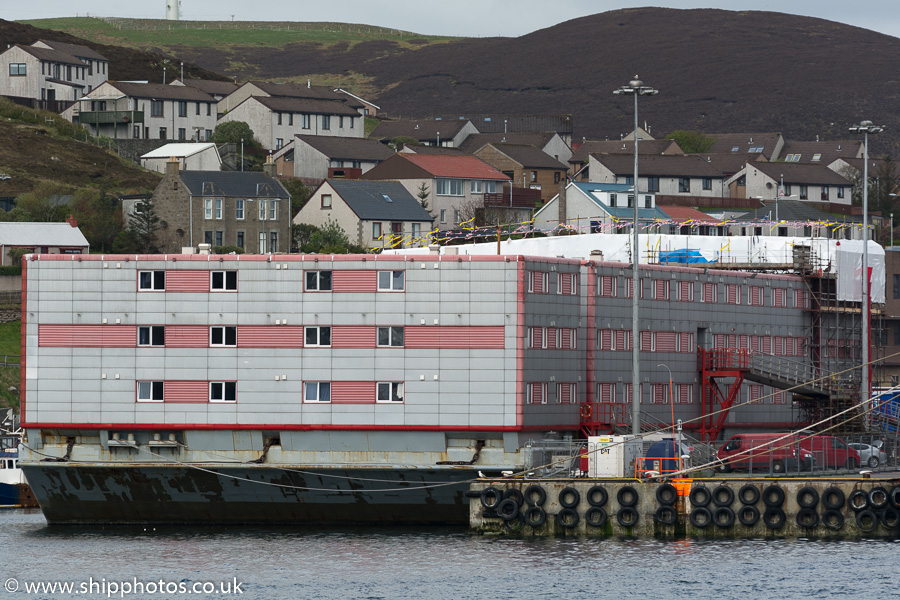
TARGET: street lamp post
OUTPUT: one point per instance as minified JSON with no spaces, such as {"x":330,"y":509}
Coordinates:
{"x":865,"y":128}
{"x":636,"y":88}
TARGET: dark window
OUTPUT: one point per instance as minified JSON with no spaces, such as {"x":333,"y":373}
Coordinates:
{"x":182,"y":108}
{"x":223,"y":280}
{"x":162,"y":133}
{"x":222,"y":391}
{"x":390,"y":336}
{"x":707,"y":183}
{"x":684,"y":184}
{"x":317,"y":336}
{"x":653,"y":184}
{"x":326,"y":121}
{"x":153,"y":335}
{"x":218,"y":238}
{"x":156,"y":108}
{"x":16,"y":69}
{"x":223,"y":336}
{"x":896,"y":287}
{"x":318,"y":281}
{"x":240,"y":239}
{"x":151,"y":280}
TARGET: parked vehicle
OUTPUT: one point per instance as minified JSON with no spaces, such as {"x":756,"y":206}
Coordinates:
{"x":779,"y":452}
{"x":830,"y":451}
{"x":870,"y":454}
{"x":662,"y":457}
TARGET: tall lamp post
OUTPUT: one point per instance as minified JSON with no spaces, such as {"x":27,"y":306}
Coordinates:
{"x":636,"y":88}
{"x":865,"y":128}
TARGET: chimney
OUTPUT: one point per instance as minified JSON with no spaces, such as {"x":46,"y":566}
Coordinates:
{"x":72,"y":221}
{"x":172,"y":166}
{"x":269,"y":167}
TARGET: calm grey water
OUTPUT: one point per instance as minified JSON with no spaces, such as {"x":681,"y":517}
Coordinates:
{"x":428,"y":563}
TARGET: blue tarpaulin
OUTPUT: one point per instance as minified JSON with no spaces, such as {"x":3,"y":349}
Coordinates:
{"x":682,"y":256}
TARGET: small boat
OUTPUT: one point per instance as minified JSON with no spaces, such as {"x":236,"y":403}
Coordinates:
{"x":14,"y":490}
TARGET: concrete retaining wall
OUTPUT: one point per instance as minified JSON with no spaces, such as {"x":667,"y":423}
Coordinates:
{"x":873,"y":514}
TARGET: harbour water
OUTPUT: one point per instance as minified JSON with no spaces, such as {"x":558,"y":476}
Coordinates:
{"x":412,"y":563}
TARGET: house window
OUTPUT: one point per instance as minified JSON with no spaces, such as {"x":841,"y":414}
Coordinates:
{"x":376,"y":231}
{"x":326,"y":201}
{"x":555,"y":176}
{"x":273,"y":210}
{"x":136,"y":133}
{"x":223,"y":336}
{"x":825,"y":192}
{"x":536,"y":393}
{"x":290,"y":119}
{"x":262,"y":242}
{"x":707,"y":183}
{"x":538,"y":282}
{"x":612,"y":200}
{"x":279,"y":118}
{"x":490,"y":187}
{"x":390,"y":391}
{"x":150,"y":391}
{"x":156,"y":108}
{"x":684,"y":184}
{"x":152,"y":335}
{"x":416,"y":231}
{"x":240,"y":239}
{"x":318,"y":281}
{"x":222,"y":391}
{"x":182,"y":108}
{"x":181,"y":134}
{"x":162,"y":133}
{"x":273,"y":241}
{"x":317,"y":391}
{"x":840,"y":192}
{"x":391,"y":281}
{"x":208,"y":208}
{"x":262,"y":209}
{"x":653,"y":184}
{"x":279,"y":143}
{"x":219,"y":208}
{"x":340,"y":122}
{"x":804,"y":192}
{"x":223,"y":281}
{"x":151,"y":281}
{"x":208,"y":111}
{"x":533,"y":176}
{"x":198,"y":109}
{"x":475,"y":187}
{"x":239,"y":209}
{"x":390,"y":336}
{"x":208,"y":237}
{"x":17,"y":69}
{"x":449,"y":187}
{"x":317,"y":336}
{"x":648,"y":201}
{"x":304,"y":121}
{"x":566,"y":284}
{"x":326,"y":121}
{"x":443,"y":215}
{"x":351,"y":122}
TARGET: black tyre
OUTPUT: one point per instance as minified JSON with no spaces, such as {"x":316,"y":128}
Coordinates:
{"x":890,"y":517}
{"x":567,"y":518}
{"x":666,"y":515}
{"x":491,"y":498}
{"x":627,"y":496}
{"x":516,"y":495}
{"x":700,"y":517}
{"x":508,"y":509}
{"x":873,"y":462}
{"x":723,"y":517}
{"x":878,"y":498}
{"x":894,"y":496}
{"x":778,"y":466}
{"x":807,"y":518}
{"x":808,"y":497}
{"x":858,"y":500}
{"x":535,"y":495}
{"x":535,"y":516}
{"x":723,"y":496}
{"x":748,"y":494}
{"x":723,"y":467}
{"x":833,"y":498}
{"x":666,"y":494}
{"x":833,"y":519}
{"x":748,"y":515}
{"x":627,"y":516}
{"x":515,"y":525}
{"x":569,"y":497}
{"x":866,"y":520}
{"x":774,"y":518}
{"x":700,"y":496}
{"x":597,"y":496}
{"x":595,"y":516}
{"x":773,"y":496}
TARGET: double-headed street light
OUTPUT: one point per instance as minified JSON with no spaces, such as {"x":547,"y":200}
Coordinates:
{"x":636,"y":88}
{"x":865,"y":128}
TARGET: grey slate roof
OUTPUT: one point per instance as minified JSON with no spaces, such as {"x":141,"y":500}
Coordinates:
{"x":791,"y":210}
{"x":828,"y":152}
{"x":158,"y":91}
{"x":530,"y":157}
{"x":52,"y":55}
{"x":41,"y":234}
{"x":662,"y":165}
{"x":366,"y":199}
{"x":476,"y":141}
{"x":649,"y":147}
{"x":799,"y":173}
{"x":299,"y":90}
{"x":305,"y":105}
{"x":347,"y":148}
{"x":74,"y":50}
{"x":418,"y":130}
{"x":213,"y":88}
{"x":234,"y":184}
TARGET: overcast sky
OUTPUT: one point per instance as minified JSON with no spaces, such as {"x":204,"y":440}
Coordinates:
{"x":457,"y":18}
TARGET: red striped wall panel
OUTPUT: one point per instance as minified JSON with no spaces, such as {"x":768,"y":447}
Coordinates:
{"x":353,"y":336}
{"x":187,"y":336}
{"x":267,"y":336}
{"x":354,"y":281}
{"x":187,"y":281}
{"x":87,"y":336}
{"x":455,"y":337}
{"x":353,"y":392}
{"x":186,"y":391}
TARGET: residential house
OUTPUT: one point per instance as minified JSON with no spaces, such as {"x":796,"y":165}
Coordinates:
{"x":248,"y":209}
{"x":315,"y":158}
{"x":809,"y":182}
{"x":368,"y":109}
{"x":50,"y":72}
{"x":217,"y":89}
{"x":375,"y":214}
{"x":527,"y":164}
{"x":684,"y":220}
{"x":456,"y":188}
{"x":276,"y":120}
{"x":684,"y":176}
{"x":597,"y":207}
{"x":795,"y":218}
{"x":561,"y":124}
{"x":768,"y":145}
{"x":818,"y":152}
{"x":197,"y":156}
{"x":289,"y":90}
{"x":580,"y":155}
{"x":41,"y":238}
{"x":450,"y":134}
{"x":151,"y":111}
{"x":549,"y":142}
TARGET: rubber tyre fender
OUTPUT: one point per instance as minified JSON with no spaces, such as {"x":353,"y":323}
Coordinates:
{"x":890,"y":517}
{"x":595,"y":516}
{"x":866,"y":520}
{"x":807,"y":497}
{"x":748,"y":494}
{"x":723,"y":496}
{"x":515,"y":525}
{"x":597,"y":496}
{"x":748,"y":515}
{"x":723,"y":517}
{"x":878,"y":498}
{"x":774,"y":518}
{"x":516,"y":495}
{"x":833,"y":498}
{"x":894,"y":497}
{"x":773,"y":496}
{"x":667,"y":494}
{"x":666,"y":514}
{"x":573,"y":494}
{"x":700,"y":496}
{"x":567,"y":518}
{"x":508,"y":509}
{"x":627,"y":496}
{"x":533,"y":490}
{"x":627,"y":517}
{"x":833,"y":519}
{"x":535,"y":516}
{"x":858,"y":500}
{"x":807,"y":517}
{"x":491,"y":498}
{"x":700,"y":517}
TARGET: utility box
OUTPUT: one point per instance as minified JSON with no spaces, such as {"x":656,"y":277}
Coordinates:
{"x":613,"y":455}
